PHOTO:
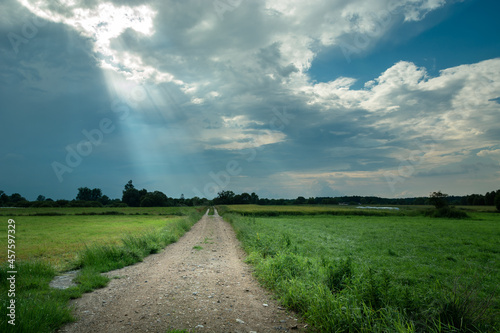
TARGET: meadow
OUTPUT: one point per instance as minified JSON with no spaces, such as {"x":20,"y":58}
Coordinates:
{"x":390,"y":271}
{"x":92,"y":240}
{"x":56,"y":235}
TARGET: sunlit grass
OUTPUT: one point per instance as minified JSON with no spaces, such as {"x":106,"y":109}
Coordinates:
{"x":57,"y":239}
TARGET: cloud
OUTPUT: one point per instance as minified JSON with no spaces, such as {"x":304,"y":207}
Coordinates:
{"x":493,"y":154}
{"x":406,"y":99}
{"x":228,"y":85}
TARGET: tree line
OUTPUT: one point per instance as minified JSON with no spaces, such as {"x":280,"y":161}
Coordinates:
{"x":87,"y":197}
{"x":133,"y":197}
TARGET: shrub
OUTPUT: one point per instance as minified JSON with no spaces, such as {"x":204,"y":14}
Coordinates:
{"x":447,"y":212}
{"x":438,"y":199}
{"x":48,"y":214}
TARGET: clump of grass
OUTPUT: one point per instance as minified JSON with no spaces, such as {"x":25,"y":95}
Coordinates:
{"x":463,"y":310}
{"x":338,"y":277}
{"x":392,"y":253}
{"x":197,"y":248}
{"x":207,"y":240}
{"x":104,"y":258}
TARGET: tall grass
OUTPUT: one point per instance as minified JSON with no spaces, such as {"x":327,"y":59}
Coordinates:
{"x":40,"y":308}
{"x":376,"y":274}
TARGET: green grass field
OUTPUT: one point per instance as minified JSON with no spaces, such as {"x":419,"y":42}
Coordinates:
{"x":343,"y":269}
{"x":91,"y":240}
{"x":395,"y":273}
{"x":9,"y":212}
{"x":58,"y":239}
{"x":256,"y":210}
{"x":57,"y":235}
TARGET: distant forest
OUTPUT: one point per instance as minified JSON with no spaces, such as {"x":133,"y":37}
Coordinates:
{"x":132,"y":197}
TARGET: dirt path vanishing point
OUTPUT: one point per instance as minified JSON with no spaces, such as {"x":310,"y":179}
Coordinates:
{"x":184,"y":287}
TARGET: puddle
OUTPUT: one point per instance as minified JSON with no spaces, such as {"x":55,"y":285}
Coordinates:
{"x":367,"y":207}
{"x":65,"y":280}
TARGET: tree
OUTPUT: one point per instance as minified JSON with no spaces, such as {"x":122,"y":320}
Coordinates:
{"x":245,"y":198}
{"x":438,"y":199}
{"x":105,"y":200}
{"x":311,"y":201}
{"x":16,"y":198}
{"x":86,"y":194}
{"x":254,"y":198}
{"x":489,"y":198}
{"x":300,"y":201}
{"x":4,"y":198}
{"x":40,"y":198}
{"x":224,"y":198}
{"x":497,"y":200}
{"x":154,"y":199}
{"x":132,"y":196}
{"x":129,"y":185}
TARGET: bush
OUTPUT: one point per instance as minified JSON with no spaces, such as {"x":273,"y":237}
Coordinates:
{"x":111,"y":212}
{"x":447,"y":212}
{"x":48,"y":214}
{"x":117,"y":205}
{"x":62,"y":203}
{"x":43,"y":204}
{"x":438,"y":199}
{"x":81,"y":203}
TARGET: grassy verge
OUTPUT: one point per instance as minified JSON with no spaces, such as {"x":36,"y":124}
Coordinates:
{"x":39,"y":308}
{"x":379,"y":274}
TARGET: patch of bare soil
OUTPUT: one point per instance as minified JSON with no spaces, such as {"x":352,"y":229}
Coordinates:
{"x":200,"y":284}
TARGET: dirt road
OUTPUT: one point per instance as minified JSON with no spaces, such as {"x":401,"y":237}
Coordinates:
{"x":198,"y":284}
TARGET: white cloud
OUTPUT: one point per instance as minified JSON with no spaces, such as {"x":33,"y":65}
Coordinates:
{"x":494,"y":154}
{"x":238,"y":133}
{"x":103,"y":23}
{"x":458,"y":104}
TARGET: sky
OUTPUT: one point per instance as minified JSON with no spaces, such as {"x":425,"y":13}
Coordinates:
{"x":283,"y":98}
